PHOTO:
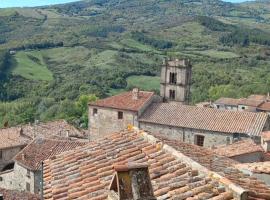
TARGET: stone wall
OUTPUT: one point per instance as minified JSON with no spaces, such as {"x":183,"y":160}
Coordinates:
{"x":249,"y":158}
{"x":225,"y":107}
{"x":18,"y":179}
{"x":6,"y":179}
{"x":106,"y":121}
{"x":8,"y":155}
{"x":188,"y":135}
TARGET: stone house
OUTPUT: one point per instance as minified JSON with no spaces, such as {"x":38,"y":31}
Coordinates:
{"x":26,"y":174}
{"x":168,"y":114}
{"x":12,"y":141}
{"x":117,"y":112}
{"x":253,"y":103}
{"x":243,"y":151}
{"x":202,"y":126}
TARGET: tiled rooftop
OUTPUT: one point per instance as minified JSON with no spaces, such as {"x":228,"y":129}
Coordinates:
{"x":257,"y":167}
{"x":124,"y":101}
{"x":12,"y":137}
{"x":16,"y":195}
{"x":264,"y":106}
{"x":174,"y":114}
{"x":85,"y":173}
{"x":221,"y":165}
{"x":57,"y":129}
{"x":227,"y":101}
{"x":41,"y":149}
{"x":241,"y":147}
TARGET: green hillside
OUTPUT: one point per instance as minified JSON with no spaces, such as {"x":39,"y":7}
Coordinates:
{"x":102,"y":47}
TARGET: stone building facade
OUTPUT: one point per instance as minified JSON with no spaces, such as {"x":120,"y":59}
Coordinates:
{"x":21,"y":179}
{"x":26,"y":174}
{"x":169,"y":115}
{"x":118,"y":112}
{"x":175,"y":80}
{"x":191,"y":136}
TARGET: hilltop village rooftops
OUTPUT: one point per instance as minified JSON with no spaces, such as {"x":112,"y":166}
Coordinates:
{"x":59,"y":128}
{"x":86,"y":173}
{"x":16,"y":195}
{"x":177,"y":115}
{"x":222,"y":165}
{"x":125,"y":101}
{"x":41,"y":149}
{"x":241,"y":147}
{"x":12,"y":137}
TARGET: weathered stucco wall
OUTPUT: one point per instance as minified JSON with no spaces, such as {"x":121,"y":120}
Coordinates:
{"x":106,"y":121}
{"x":249,"y":158}
{"x":8,"y":155}
{"x":188,"y":135}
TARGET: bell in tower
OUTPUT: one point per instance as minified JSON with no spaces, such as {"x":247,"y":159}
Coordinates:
{"x":176,"y":80}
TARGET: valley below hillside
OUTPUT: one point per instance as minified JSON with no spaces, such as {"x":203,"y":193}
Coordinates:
{"x":54,"y":59}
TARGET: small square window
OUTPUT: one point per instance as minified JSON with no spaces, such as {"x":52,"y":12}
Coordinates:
{"x":199,"y":140}
{"x":95,"y":111}
{"x":120,"y":115}
{"x":28,"y":187}
{"x":1,"y":155}
{"x":1,"y":178}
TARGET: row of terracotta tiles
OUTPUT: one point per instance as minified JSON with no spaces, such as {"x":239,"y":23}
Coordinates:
{"x":86,"y":174}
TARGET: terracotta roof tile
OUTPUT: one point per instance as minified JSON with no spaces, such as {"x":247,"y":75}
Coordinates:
{"x":264,"y":106}
{"x":57,"y":129}
{"x":88,"y":174}
{"x":16,"y":195}
{"x":257,"y":167}
{"x":41,"y":149}
{"x":238,"y":148}
{"x":175,"y":114}
{"x":12,"y":137}
{"x":221,"y":165}
{"x":124,"y":101}
{"x":227,"y":101}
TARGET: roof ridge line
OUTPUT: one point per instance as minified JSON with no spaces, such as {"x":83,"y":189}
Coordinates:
{"x":237,"y":190}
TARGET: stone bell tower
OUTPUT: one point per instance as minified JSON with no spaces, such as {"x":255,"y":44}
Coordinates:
{"x":176,"y":80}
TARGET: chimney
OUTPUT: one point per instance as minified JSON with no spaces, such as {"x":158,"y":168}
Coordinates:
{"x":1,"y":197}
{"x":23,"y":156}
{"x":135,"y":94}
{"x":131,"y":181}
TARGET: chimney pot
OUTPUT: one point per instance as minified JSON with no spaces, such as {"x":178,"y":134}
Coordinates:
{"x":23,"y":156}
{"x":135,"y":94}
{"x":131,"y":181}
